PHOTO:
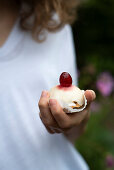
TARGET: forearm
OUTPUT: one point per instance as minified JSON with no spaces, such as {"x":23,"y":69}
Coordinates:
{"x":77,"y":131}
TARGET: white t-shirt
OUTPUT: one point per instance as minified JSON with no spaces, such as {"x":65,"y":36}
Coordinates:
{"x":27,"y":68}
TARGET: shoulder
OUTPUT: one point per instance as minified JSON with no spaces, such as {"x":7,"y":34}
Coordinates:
{"x":56,"y":42}
{"x":62,"y":38}
{"x":66,"y":30}
{"x":62,"y":34}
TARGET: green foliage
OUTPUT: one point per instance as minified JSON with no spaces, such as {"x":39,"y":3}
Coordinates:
{"x":94,"y":34}
{"x":98,"y":140}
{"x":94,"y":40}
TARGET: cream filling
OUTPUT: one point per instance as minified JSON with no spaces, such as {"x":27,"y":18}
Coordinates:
{"x":71,"y":101}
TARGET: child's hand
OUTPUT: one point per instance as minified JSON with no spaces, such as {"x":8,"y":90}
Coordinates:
{"x":55,"y":119}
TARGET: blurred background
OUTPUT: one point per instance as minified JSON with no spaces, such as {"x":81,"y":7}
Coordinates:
{"x":94,"y":42}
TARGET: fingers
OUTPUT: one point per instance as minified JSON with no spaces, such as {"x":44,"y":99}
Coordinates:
{"x":56,"y":130}
{"x":84,"y":115}
{"x":60,"y":116}
{"x":55,"y":119}
{"x":77,"y":118}
{"x":45,"y":113}
{"x":43,"y":103}
{"x":90,"y":96}
{"x":53,"y":130}
{"x":49,"y":130}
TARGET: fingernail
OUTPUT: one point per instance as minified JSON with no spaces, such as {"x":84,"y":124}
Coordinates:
{"x":93,"y":94}
{"x":44,"y":94}
{"x":52,"y":102}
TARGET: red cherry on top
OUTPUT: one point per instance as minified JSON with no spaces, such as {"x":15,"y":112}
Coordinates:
{"x":65,"y":79}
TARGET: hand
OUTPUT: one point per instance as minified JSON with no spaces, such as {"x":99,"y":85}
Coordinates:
{"x":56,"y":120}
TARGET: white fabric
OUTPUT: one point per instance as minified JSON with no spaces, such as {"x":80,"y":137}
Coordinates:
{"x":27,"y":68}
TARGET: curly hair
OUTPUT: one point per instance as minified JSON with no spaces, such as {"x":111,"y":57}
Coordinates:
{"x":49,"y":15}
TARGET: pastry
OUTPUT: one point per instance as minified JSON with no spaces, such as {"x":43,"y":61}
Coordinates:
{"x":70,"y":97}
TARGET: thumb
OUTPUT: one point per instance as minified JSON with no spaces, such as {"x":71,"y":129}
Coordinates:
{"x":90,"y":96}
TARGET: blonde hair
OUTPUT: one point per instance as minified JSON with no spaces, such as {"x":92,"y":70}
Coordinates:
{"x":42,"y":12}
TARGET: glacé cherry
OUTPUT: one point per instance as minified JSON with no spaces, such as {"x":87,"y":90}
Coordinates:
{"x":65,"y":79}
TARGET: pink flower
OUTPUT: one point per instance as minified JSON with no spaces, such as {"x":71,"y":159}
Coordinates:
{"x":110,"y":161}
{"x":105,"y":83}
